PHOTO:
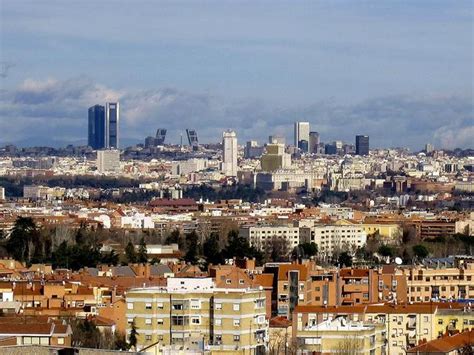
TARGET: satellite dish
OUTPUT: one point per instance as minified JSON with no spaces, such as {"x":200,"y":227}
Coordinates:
{"x":398,"y":261}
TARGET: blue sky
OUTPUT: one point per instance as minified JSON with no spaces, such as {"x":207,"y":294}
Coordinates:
{"x":348,"y":67}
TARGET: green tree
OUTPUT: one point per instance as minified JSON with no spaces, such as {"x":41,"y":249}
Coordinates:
{"x":130,"y":253}
{"x":142,"y":256}
{"x":211,"y":250}
{"x":23,"y":235}
{"x":309,"y":249}
{"x":191,"y":248}
{"x":420,"y":251}
{"x":345,"y":259}
{"x":132,"y":338}
{"x":386,"y":250}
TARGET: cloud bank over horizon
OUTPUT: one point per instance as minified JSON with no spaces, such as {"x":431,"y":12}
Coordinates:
{"x":54,"y":112}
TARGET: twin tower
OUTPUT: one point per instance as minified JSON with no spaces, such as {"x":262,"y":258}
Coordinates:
{"x":103,"y":131}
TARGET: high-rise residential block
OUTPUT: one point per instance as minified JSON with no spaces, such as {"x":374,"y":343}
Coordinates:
{"x":362,"y":145}
{"x":108,"y":161}
{"x":96,"y":127}
{"x":301,"y":134}
{"x":229,"y":153}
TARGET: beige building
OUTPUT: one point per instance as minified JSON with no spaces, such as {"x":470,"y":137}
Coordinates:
{"x":440,"y":282}
{"x":275,"y":158}
{"x":192,"y":314}
{"x":260,"y":236}
{"x":340,"y":336}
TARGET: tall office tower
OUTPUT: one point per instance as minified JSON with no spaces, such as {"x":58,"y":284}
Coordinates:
{"x":301,"y":134}
{"x":362,"y":145}
{"x":314,"y":142}
{"x":276,"y":140}
{"x":112,"y":123}
{"x":253,"y":150}
{"x":96,"y":127}
{"x":108,"y":161}
{"x":192,"y":138}
{"x":150,"y":142}
{"x":429,"y":148}
{"x":229,"y":153}
{"x":160,"y":136}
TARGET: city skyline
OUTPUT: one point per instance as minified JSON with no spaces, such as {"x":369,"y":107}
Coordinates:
{"x":347,"y":70}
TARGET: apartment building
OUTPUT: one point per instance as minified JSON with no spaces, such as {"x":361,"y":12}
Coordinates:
{"x":340,"y":336}
{"x":405,"y":325}
{"x":332,"y":238}
{"x":441,"y":283}
{"x":260,"y":236}
{"x":193,"y":314}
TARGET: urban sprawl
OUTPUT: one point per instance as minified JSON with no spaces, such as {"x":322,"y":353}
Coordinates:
{"x":298,"y":247}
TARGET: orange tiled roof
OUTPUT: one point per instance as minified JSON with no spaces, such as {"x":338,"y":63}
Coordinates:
{"x":445,"y":344}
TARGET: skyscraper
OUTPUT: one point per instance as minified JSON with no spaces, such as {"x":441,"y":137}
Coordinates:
{"x":314,"y":142}
{"x":96,"y":127}
{"x":362,"y":145}
{"x":301,"y":135}
{"x":112,"y":122}
{"x":229,"y":153}
{"x":160,"y":136}
{"x":192,"y":137}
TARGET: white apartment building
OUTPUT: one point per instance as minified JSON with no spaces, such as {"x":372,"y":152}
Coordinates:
{"x":108,"y":161}
{"x":260,"y":236}
{"x":332,"y":238}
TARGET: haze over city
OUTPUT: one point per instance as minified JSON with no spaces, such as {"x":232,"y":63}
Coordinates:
{"x":400,"y":72}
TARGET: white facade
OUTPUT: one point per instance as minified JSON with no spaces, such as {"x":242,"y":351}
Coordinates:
{"x":108,"y":161}
{"x":259,"y":236}
{"x":2,"y":193}
{"x":332,"y":238}
{"x":186,"y":167}
{"x":229,"y":153}
{"x":301,"y":132}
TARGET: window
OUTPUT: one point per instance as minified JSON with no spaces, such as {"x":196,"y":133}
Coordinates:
{"x":195,"y":304}
{"x":241,"y":282}
{"x":159,"y":321}
{"x":130,"y":320}
{"x":218,"y":322}
{"x":228,"y":281}
{"x":236,"y":322}
{"x":148,"y":337}
{"x":236,"y":307}
{"x":440,"y":321}
{"x":217,"y":305}
{"x":129,"y":305}
{"x":425,"y":319}
{"x":159,"y":305}
{"x":236,"y":337}
{"x":148,"y":306}
{"x":148,"y":321}
{"x":61,"y":341}
{"x":195,"y":320}
{"x":218,"y":338}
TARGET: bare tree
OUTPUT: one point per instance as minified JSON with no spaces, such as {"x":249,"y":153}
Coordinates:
{"x":350,"y":346}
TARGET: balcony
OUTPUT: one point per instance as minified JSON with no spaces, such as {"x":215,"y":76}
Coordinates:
{"x":355,"y":288}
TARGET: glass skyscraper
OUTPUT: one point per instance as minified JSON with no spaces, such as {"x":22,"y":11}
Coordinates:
{"x":97,"y":129}
{"x":112,"y":121}
{"x":362,"y":145}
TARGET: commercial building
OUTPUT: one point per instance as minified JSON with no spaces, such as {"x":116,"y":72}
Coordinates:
{"x":275,"y":158}
{"x":103,"y":126}
{"x":314,"y":141}
{"x":112,"y":125}
{"x":96,"y":127}
{"x":301,"y":135}
{"x":253,"y":150}
{"x":192,"y":314}
{"x":108,"y":161}
{"x":229,"y":153}
{"x":192,"y":138}
{"x":362,"y":145}
{"x":2,"y":193}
